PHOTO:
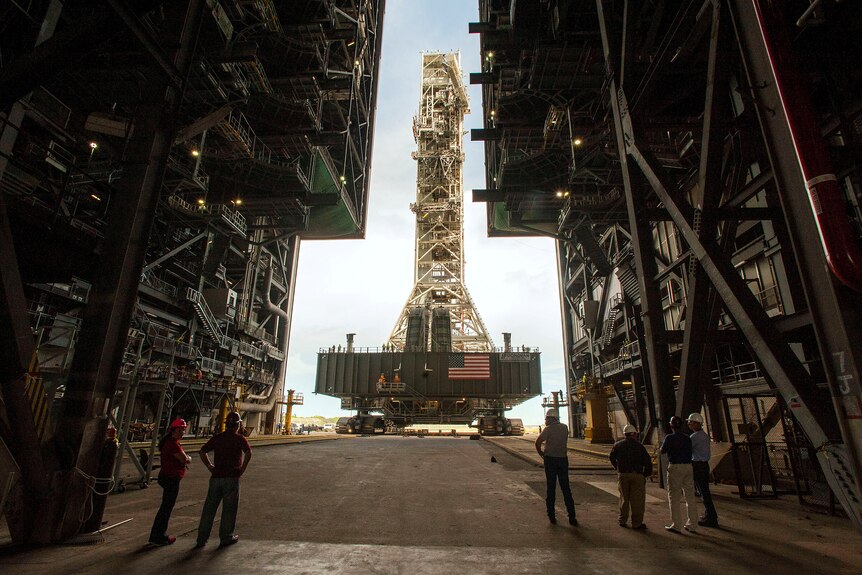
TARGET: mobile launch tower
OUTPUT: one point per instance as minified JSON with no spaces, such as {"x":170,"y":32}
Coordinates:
{"x":439,"y":208}
{"x":439,"y":364}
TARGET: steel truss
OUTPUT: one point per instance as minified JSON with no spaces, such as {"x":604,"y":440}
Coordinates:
{"x":439,"y":209}
{"x":684,"y":204}
{"x":169,"y":156}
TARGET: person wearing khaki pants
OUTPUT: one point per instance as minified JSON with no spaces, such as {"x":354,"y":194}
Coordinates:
{"x":680,"y":480}
{"x":633,"y":464}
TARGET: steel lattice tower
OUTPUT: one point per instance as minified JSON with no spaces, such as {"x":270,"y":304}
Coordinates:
{"x":439,"y":208}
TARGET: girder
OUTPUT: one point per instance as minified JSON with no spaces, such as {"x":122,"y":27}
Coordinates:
{"x":439,"y":209}
{"x":710,"y":147}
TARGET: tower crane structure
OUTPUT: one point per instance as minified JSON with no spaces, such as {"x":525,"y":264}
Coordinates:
{"x":439,"y":210}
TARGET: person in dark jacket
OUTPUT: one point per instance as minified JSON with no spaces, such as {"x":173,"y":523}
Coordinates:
{"x":173,"y":469}
{"x":232,"y":455}
{"x":633,"y":464}
{"x":680,"y":479}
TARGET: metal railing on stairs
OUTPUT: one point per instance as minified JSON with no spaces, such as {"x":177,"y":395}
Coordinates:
{"x":610,"y":327}
{"x":205,"y":315}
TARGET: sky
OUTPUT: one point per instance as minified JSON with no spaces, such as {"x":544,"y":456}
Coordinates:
{"x":361,"y":286}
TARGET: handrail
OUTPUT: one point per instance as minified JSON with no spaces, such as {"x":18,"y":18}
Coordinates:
{"x":210,"y":322}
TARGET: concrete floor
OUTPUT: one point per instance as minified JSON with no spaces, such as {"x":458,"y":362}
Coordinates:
{"x":439,"y":506}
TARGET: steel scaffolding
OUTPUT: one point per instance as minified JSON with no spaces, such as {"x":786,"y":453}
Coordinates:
{"x":439,"y":208}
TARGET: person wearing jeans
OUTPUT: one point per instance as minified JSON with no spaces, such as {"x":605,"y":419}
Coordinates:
{"x":555,"y":438}
{"x":173,"y":469}
{"x":232,"y":455}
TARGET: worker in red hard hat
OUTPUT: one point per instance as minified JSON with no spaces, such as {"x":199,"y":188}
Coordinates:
{"x":232,"y":454}
{"x":173,"y":469}
{"x":633,"y":464}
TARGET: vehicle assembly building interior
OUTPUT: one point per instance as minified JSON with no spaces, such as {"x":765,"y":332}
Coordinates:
{"x":695,"y":164}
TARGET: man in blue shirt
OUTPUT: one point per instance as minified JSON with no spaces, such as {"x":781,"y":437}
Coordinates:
{"x":680,"y":480}
{"x":700,"y":468}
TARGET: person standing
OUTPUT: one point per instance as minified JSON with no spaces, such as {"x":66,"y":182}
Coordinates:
{"x":232,"y":456}
{"x":633,"y":464}
{"x":555,"y":438}
{"x":700,"y":468}
{"x":680,"y":481}
{"x":173,"y":469}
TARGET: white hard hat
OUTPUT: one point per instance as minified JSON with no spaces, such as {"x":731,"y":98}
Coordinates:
{"x":696,"y":417}
{"x":629,"y":429}
{"x":552,"y":413}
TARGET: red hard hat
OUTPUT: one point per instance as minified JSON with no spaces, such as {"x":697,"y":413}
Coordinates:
{"x":179,"y":422}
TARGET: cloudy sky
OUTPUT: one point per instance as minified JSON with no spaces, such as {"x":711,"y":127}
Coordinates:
{"x":361,"y":285}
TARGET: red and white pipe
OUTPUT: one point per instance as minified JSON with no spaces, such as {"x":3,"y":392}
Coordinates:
{"x":837,"y":235}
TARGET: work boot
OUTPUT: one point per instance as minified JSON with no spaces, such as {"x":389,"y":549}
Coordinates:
{"x":552,"y":519}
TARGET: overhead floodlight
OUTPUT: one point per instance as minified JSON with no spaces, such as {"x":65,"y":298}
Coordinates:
{"x":577,"y":141}
{"x":559,"y":194}
{"x":93,"y":145}
{"x":237,"y":202}
{"x":201,"y":201}
{"x":196,"y":153}
{"x":95,"y":197}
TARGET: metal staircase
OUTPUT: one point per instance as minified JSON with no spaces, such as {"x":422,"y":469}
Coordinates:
{"x":206,"y":316}
{"x":610,"y":326}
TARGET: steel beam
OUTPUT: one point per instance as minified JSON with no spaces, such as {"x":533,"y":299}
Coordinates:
{"x":174,"y":252}
{"x":836,"y":311}
{"x":697,"y":349}
{"x":18,"y":347}
{"x":94,"y":371}
{"x":150,"y":44}
{"x":73,"y":44}
{"x":654,"y":347}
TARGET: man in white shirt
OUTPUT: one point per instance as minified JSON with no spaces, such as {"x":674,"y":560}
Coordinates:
{"x":700,"y":468}
{"x":555,"y":438}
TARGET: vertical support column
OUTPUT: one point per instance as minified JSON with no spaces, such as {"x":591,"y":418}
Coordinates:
{"x":697,"y":348}
{"x":835,"y":309}
{"x":92,"y":379}
{"x":290,"y":266}
{"x":17,"y":345}
{"x":653,"y":346}
{"x":568,"y":329}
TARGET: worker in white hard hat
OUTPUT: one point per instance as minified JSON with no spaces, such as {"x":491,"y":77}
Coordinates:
{"x":633,"y":464}
{"x":554,"y":454}
{"x":700,"y":468}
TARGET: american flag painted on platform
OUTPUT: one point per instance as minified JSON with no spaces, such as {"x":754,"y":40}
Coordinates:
{"x":469,"y":366}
